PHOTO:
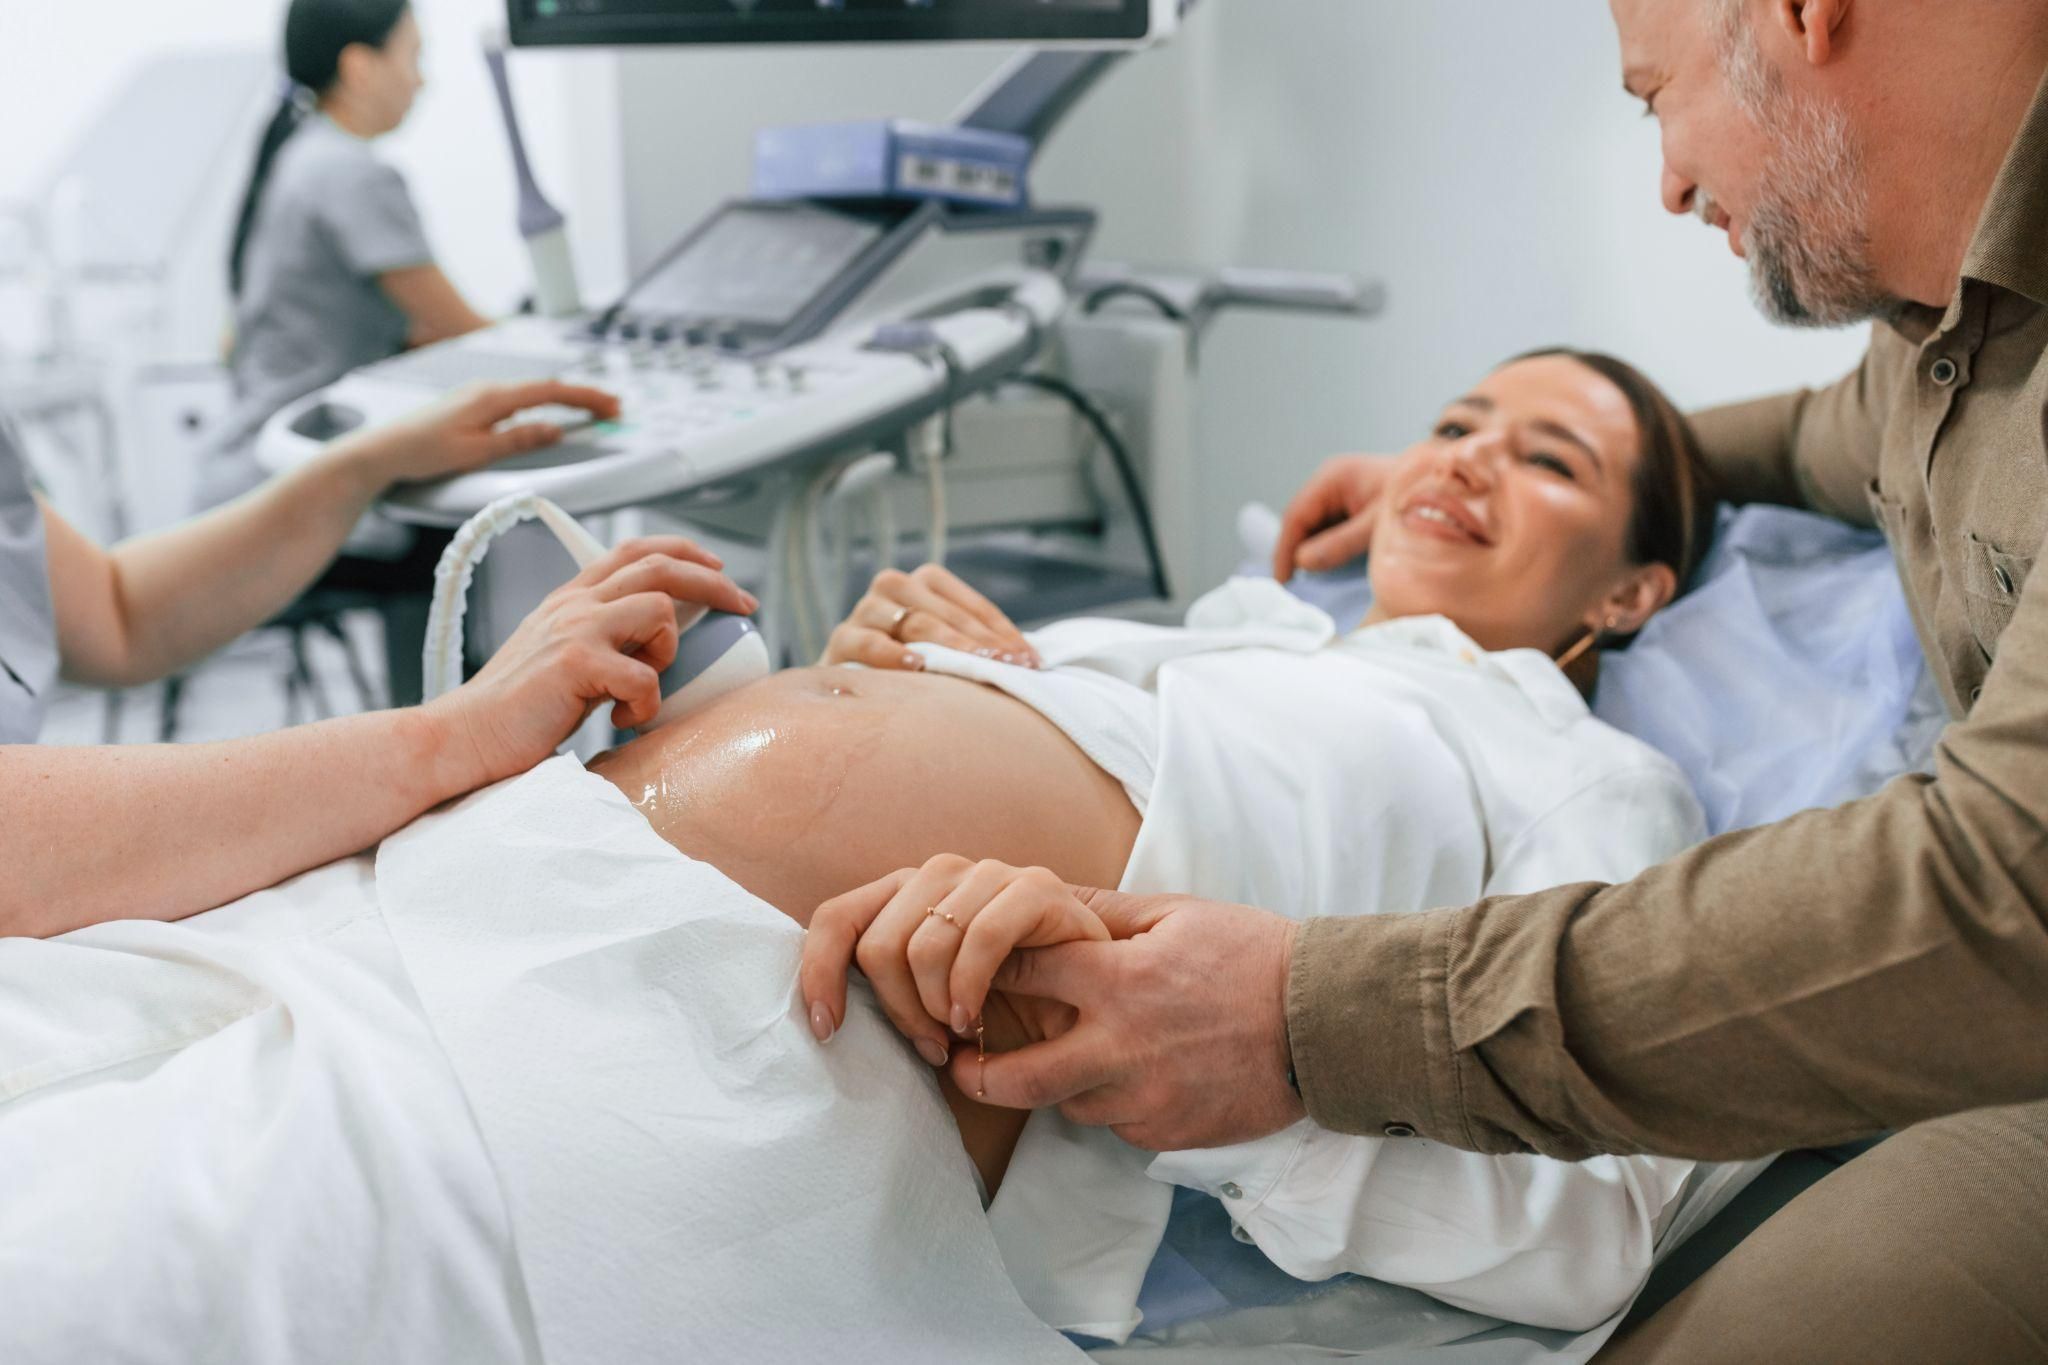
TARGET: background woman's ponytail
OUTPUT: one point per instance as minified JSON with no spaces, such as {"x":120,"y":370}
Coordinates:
{"x":316,"y":33}
{"x":291,"y":112}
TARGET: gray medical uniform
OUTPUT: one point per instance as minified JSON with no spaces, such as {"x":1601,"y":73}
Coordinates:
{"x":28,"y":620}
{"x":331,"y":220}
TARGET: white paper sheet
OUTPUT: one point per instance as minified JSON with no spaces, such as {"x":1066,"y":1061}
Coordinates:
{"x":690,"y":1176}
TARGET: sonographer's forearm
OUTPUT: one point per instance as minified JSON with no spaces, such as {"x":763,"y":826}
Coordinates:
{"x":177,"y":829}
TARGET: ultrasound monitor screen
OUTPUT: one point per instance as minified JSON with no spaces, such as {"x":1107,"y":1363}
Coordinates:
{"x":755,"y":265}
{"x":541,"y":22}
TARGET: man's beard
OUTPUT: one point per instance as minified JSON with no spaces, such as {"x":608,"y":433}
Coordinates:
{"x":1808,"y":239}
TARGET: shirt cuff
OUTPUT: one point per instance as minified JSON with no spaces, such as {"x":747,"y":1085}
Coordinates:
{"x":1368,"y":1024}
{"x":1242,"y":1176}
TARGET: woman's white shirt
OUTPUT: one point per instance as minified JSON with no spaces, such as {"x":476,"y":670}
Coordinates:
{"x":1391,"y":769}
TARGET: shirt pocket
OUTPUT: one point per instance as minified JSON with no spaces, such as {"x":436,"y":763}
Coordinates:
{"x":1992,"y":580}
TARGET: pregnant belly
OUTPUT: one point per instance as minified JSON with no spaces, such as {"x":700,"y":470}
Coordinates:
{"x":818,"y":780}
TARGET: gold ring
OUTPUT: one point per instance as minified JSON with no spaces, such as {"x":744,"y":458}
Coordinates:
{"x":947,"y":916}
{"x":902,"y":615}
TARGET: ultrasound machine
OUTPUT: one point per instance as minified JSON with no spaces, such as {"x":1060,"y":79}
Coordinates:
{"x":813,"y":366}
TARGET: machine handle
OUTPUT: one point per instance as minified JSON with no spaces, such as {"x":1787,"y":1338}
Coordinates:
{"x":1295,"y":291}
{"x":1194,"y":300}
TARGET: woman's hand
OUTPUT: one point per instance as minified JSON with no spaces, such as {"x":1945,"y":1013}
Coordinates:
{"x":467,"y":431}
{"x":603,"y":636}
{"x":930,"y":940}
{"x":1329,"y":522}
{"x":929,"y":604}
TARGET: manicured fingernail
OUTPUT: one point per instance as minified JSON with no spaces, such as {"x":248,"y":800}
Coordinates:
{"x":932,"y":1052}
{"x":821,"y":1022}
{"x":960,"y":1020}
{"x":914,"y":662}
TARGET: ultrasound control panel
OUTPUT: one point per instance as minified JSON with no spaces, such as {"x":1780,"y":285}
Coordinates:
{"x":694,"y":415}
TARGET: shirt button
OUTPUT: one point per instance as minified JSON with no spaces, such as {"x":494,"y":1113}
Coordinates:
{"x":1398,"y":1130}
{"x":2002,"y":578}
{"x":1943,"y":372}
{"x":1240,"y":1234}
{"x":1232,"y":1190}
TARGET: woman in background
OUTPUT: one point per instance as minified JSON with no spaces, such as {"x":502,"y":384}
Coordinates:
{"x":330,"y":271}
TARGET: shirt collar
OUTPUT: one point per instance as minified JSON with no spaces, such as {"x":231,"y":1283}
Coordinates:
{"x":1530,"y":671}
{"x":2010,"y":247}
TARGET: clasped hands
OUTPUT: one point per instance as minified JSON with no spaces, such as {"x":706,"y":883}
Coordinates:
{"x":1162,"y":1018}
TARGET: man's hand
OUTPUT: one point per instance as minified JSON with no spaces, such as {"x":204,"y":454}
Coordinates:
{"x":1329,"y":522}
{"x":466,"y":431}
{"x":604,"y":636}
{"x":1181,"y":1039}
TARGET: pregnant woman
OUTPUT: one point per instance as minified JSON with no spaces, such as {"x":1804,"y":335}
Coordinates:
{"x":528,"y":1083}
{"x":1439,"y":752}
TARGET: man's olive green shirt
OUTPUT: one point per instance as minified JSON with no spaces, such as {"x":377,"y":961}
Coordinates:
{"x":1840,"y":972}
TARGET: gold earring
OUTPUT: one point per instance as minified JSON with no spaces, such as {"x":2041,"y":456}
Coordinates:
{"x":1586,"y":642}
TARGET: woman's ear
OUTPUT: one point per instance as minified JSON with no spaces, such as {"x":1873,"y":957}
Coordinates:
{"x":1645,"y":591}
{"x":354,"y":66}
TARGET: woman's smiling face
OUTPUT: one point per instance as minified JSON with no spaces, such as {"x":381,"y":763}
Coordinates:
{"x":1512,"y":517}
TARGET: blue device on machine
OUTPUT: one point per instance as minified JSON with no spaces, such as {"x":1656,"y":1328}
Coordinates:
{"x":893,"y":159}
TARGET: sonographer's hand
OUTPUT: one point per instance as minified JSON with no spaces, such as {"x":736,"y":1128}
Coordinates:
{"x":604,"y":636}
{"x":930,"y":939}
{"x":468,"y":430}
{"x":1329,"y":522}
{"x":929,"y":604}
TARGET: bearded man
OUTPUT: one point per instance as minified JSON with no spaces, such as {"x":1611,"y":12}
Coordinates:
{"x":1879,"y":966}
